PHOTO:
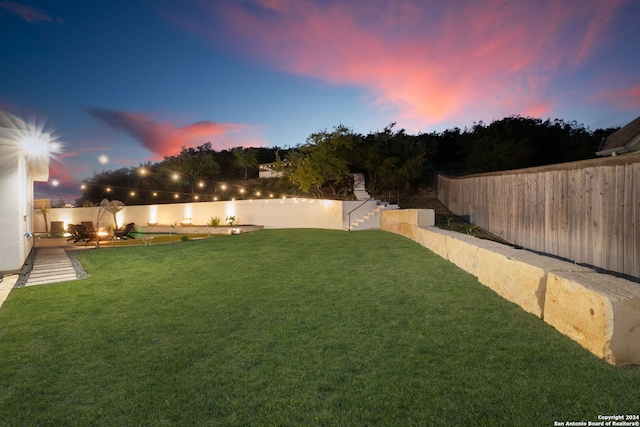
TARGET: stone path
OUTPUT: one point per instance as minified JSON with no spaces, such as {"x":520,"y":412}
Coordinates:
{"x":51,"y":265}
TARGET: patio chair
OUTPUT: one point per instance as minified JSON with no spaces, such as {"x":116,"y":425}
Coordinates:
{"x":126,"y":233}
{"x":82,"y":234}
{"x":89,"y":225}
{"x":71,"y":229}
{"x":57,"y":227}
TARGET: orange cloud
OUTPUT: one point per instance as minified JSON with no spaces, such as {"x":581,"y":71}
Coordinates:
{"x":166,"y":139}
{"x":427,"y":61}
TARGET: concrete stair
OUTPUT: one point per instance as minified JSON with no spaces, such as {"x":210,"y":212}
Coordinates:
{"x":371,"y":218}
{"x":359,"y":187}
{"x":368,"y":216}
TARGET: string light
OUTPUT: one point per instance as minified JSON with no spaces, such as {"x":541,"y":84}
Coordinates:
{"x":240,"y":192}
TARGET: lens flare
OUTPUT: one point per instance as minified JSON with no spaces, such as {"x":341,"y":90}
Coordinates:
{"x":37,"y":144}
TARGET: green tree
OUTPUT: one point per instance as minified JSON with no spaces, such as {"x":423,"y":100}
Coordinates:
{"x":322,"y":161}
{"x":190,"y":167}
{"x":246,"y":158}
{"x":394,"y":159}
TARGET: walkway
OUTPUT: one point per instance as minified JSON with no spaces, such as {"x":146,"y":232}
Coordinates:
{"x":50,"y":266}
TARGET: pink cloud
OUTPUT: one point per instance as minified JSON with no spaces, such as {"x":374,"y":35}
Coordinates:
{"x":29,"y":14}
{"x":426,"y":61}
{"x":60,"y":171}
{"x":630,"y":97}
{"x":82,"y":150}
{"x":625,"y":97}
{"x":166,"y":139}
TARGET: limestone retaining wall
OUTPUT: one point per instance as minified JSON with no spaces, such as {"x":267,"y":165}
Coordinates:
{"x":599,"y":311}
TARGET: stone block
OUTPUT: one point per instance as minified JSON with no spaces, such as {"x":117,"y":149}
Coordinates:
{"x":601,"y":312}
{"x":518,"y":275}
{"x":410,"y":217}
{"x":426,"y":217}
{"x":461,"y":249}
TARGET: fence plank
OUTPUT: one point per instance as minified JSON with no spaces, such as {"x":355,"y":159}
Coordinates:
{"x":586,"y":211}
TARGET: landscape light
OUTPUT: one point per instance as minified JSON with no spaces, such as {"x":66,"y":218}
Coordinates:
{"x":175,"y":176}
{"x":55,"y":182}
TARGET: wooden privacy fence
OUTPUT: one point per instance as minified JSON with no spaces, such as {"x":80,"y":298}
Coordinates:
{"x":587,"y":211}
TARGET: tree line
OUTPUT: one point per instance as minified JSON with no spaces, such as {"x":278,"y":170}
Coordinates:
{"x":321,"y":166}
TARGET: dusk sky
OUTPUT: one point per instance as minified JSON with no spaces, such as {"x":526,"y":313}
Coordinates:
{"x":136,"y":80}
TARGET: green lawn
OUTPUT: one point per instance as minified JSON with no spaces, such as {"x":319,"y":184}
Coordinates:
{"x":290,"y":327}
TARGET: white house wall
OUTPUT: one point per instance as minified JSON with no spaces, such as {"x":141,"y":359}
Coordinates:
{"x":16,"y":206}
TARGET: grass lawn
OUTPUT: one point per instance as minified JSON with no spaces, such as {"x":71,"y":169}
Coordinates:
{"x":290,"y":327}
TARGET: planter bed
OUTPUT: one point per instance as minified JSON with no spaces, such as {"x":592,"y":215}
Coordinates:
{"x":197,"y":229}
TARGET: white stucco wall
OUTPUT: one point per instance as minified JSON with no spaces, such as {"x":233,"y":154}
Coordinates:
{"x":24,"y":157}
{"x":270,"y":213}
{"x":16,"y":207}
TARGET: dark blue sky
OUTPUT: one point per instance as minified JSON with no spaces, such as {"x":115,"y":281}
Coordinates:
{"x":136,"y":80}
